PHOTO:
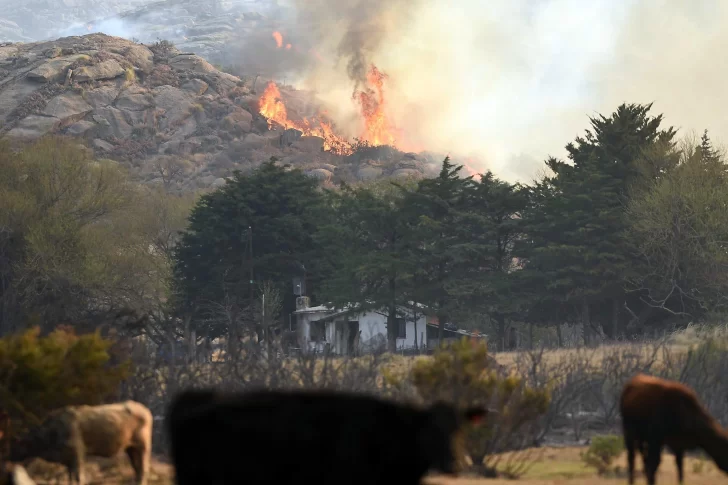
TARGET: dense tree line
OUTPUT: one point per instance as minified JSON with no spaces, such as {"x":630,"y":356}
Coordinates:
{"x":625,"y":237}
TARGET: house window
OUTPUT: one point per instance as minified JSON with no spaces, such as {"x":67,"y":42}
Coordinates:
{"x":401,"y":328}
{"x":318,"y":331}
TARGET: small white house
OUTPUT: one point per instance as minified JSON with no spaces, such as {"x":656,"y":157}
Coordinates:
{"x":346,"y":333}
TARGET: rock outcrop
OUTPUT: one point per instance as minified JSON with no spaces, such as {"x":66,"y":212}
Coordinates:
{"x":170,"y":116}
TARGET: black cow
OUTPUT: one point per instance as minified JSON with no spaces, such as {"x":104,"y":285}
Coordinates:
{"x":321,"y":437}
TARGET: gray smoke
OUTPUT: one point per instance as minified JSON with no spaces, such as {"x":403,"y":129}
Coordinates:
{"x":352,"y":32}
{"x":509,"y":82}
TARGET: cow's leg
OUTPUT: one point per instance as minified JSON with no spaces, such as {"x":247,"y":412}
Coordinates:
{"x":679,"y":456}
{"x":74,"y":460}
{"x":135,"y":457}
{"x":146,"y":463}
{"x":629,"y":444}
{"x":75,"y":475}
{"x":652,"y":460}
{"x":140,"y":458}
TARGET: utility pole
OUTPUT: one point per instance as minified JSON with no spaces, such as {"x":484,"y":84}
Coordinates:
{"x":250,"y":261}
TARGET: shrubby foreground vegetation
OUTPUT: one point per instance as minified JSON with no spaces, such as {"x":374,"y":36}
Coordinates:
{"x":621,"y":243}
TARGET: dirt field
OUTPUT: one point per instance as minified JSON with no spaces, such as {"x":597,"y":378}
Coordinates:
{"x":561,"y":466}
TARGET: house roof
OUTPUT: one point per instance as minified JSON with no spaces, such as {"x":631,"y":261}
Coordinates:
{"x":459,"y":331}
{"x":315,"y":309}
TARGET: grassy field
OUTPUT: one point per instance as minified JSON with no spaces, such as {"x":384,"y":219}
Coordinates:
{"x":677,"y":343}
{"x":553,"y":466}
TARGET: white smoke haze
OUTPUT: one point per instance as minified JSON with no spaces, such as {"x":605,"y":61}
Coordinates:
{"x":510,"y":82}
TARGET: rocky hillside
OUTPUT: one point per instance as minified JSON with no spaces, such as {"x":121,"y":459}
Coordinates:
{"x":170,"y":116}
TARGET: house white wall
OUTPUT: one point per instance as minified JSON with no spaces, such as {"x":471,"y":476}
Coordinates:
{"x":372,"y":328}
{"x":304,"y":320}
{"x":374,"y":324}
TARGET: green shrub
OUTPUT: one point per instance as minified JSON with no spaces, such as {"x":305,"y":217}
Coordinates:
{"x":698,"y":466}
{"x":463,"y":374}
{"x":39,"y":374}
{"x":602,"y":452}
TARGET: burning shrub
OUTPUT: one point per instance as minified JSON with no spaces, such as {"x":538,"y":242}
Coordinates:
{"x":464,"y":374}
{"x":39,"y":374}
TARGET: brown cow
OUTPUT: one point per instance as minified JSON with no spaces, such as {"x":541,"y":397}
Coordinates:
{"x":657,"y":412}
{"x":69,"y":434}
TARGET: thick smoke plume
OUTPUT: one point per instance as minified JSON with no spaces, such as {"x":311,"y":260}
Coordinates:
{"x":512,"y":81}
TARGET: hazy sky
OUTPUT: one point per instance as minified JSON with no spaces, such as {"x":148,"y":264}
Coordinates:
{"x":513,"y":81}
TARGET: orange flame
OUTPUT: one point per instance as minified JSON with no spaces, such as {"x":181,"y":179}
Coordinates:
{"x":271,"y":106}
{"x":288,"y":46}
{"x":279,"y":38}
{"x":378,"y":129}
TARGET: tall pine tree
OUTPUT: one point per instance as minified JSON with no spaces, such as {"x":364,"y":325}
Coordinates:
{"x":576,"y":226}
{"x":365,"y":245}
{"x":488,"y":229}
{"x":276,"y":209}
{"x":435,"y":209}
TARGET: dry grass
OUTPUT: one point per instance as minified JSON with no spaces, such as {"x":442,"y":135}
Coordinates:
{"x":554,"y":466}
{"x":677,"y":343}
{"x":114,"y":471}
{"x":564,"y":466}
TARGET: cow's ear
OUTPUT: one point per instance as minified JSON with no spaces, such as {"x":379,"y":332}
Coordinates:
{"x":475,"y":415}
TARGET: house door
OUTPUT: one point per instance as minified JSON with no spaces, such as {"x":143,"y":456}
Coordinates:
{"x":339,"y":339}
{"x":352,"y":338}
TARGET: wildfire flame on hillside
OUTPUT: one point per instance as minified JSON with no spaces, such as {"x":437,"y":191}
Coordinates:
{"x":279,"y":39}
{"x":376,"y":125}
{"x":272,"y":107}
{"x":378,"y":129}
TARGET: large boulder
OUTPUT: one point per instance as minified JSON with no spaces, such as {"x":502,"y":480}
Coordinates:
{"x":108,"y":69}
{"x":34,"y":126}
{"x":102,"y":96}
{"x":14,"y":94}
{"x":309,"y":143}
{"x":55,"y":69}
{"x":191,"y":62}
{"x":139,"y":56}
{"x":132,"y":101}
{"x":175,"y":103}
{"x":67,"y":107}
{"x":111,"y":122}
{"x":80,"y":128}
{"x":238,"y":122}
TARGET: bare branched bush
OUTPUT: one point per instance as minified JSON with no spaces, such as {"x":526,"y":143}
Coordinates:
{"x":584,"y":384}
{"x":154,"y":382}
